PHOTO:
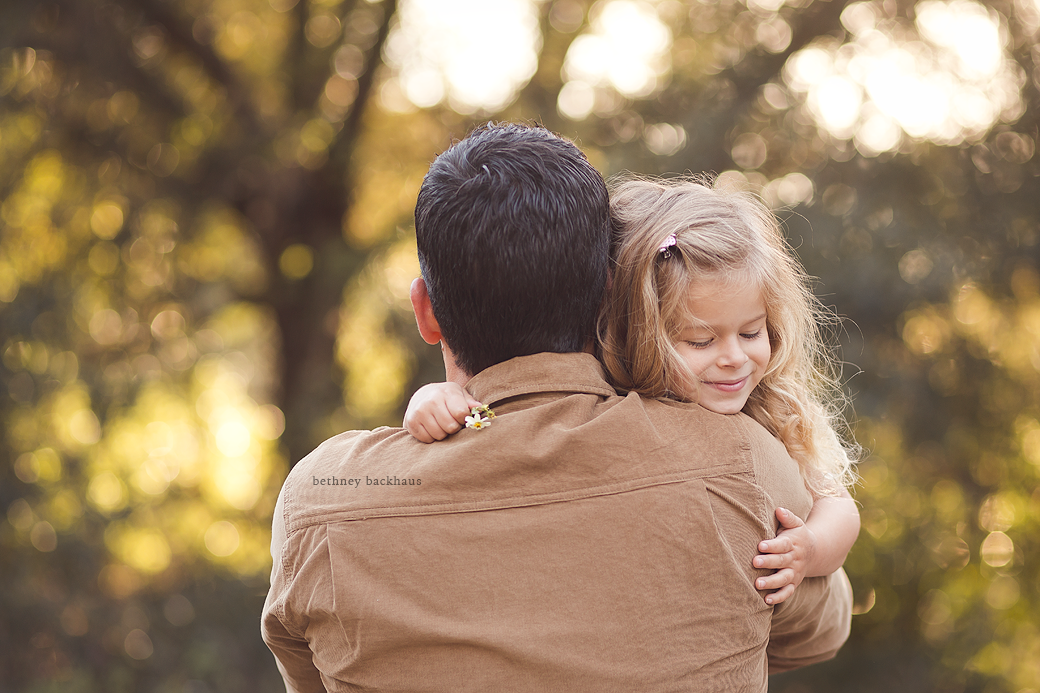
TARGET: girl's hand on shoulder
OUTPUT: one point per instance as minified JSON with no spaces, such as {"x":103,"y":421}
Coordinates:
{"x":437,"y":410}
{"x":790,"y":555}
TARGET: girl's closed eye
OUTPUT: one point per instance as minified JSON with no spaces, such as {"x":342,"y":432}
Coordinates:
{"x":752,"y":335}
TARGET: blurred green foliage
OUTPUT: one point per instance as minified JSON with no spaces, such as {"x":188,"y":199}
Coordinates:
{"x":205,"y":253}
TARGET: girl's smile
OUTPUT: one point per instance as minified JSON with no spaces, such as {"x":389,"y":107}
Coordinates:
{"x":733,"y":386}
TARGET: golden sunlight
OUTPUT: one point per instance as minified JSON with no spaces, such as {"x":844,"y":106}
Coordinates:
{"x":475,"y":54}
{"x":948,"y":78}
{"x":627,"y":48}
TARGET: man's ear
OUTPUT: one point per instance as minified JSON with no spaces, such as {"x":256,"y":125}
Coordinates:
{"x":429,"y":328}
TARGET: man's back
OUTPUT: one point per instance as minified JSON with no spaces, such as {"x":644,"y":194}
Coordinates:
{"x":585,"y":541}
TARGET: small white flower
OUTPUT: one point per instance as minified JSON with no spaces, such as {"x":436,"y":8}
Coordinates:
{"x":477,"y":421}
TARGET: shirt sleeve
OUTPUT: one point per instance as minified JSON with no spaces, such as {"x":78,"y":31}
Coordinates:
{"x":811,"y":625}
{"x":291,"y":650}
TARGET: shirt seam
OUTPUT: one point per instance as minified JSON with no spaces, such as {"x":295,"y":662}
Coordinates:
{"x":539,"y":388}
{"x":747,"y":451}
{"x":290,"y":574}
{"x":447,"y":508}
{"x":281,"y":604}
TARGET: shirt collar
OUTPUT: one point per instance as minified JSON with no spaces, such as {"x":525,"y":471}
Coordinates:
{"x":544,"y":372}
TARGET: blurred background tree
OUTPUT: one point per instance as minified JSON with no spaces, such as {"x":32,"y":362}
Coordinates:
{"x":206,"y":244}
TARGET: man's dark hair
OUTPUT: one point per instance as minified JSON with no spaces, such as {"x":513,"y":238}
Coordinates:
{"x":513,"y":232}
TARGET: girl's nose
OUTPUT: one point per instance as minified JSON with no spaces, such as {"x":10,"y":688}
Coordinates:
{"x":732,"y":356}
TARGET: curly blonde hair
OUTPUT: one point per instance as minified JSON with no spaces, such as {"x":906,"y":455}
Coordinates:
{"x":732,"y":236}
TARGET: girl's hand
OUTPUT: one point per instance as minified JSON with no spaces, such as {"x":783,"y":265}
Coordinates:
{"x":790,"y":554}
{"x":437,"y":410}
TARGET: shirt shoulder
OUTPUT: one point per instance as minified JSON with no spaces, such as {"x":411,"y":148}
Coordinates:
{"x":325,"y":480}
{"x":775,"y":471}
{"x":542,"y":447}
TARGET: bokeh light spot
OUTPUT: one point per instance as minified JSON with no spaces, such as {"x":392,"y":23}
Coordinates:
{"x":924,"y":334}
{"x":576,"y":100}
{"x":106,"y":326}
{"x":477,"y":53}
{"x":997,"y":549}
{"x":178,"y":610}
{"x":626,"y":48}
{"x":935,"y":608}
{"x":233,"y":438}
{"x":1003,"y":592}
{"x":107,"y":492}
{"x":947,"y":78}
{"x":749,"y":150}
{"x":222,"y":538}
{"x":43,"y":537}
{"x":997,"y":514}
{"x":914,"y":266}
{"x":138,"y":645}
{"x":296,"y":261}
{"x":665,"y":139}
{"x":106,"y":220}
{"x":84,"y":427}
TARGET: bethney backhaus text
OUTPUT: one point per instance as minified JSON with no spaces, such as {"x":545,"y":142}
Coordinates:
{"x":369,"y":481}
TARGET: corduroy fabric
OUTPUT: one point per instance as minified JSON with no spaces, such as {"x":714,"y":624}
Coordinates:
{"x":584,"y":541}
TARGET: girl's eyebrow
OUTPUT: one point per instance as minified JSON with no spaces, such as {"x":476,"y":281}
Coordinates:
{"x":708,"y":328}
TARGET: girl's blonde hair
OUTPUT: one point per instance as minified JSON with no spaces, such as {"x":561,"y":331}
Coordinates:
{"x":733,"y":236}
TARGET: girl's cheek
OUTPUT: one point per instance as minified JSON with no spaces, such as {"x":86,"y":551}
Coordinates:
{"x":688,"y":391}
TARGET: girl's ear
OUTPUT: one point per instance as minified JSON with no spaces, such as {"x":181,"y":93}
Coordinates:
{"x":429,"y":328}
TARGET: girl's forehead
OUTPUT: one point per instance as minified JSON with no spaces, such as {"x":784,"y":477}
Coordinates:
{"x":719,"y":302}
{"x":738,"y":285}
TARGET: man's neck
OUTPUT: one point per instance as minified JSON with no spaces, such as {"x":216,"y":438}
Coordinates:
{"x":453,"y":373}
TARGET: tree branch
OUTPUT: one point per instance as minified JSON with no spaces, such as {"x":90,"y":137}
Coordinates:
{"x":534,"y":95}
{"x":822,"y":18}
{"x":749,"y":75}
{"x":215,"y":67}
{"x":348,"y":136}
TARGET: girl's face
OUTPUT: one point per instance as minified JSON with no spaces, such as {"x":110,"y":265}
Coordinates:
{"x":727,"y":348}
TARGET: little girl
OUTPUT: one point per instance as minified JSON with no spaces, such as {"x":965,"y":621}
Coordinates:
{"x":707,"y":305}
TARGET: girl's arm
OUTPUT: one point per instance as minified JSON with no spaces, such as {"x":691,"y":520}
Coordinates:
{"x":814,"y":548}
{"x":437,"y":410}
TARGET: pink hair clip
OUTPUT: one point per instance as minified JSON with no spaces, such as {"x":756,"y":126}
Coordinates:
{"x":668,"y":243}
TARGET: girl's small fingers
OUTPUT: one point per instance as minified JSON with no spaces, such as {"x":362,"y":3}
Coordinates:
{"x":768,"y":562}
{"x":776,"y":558}
{"x":421,"y":434}
{"x":781,"y":544}
{"x":788,"y":519}
{"x":446,"y":421}
{"x":771,"y":561}
{"x":781,"y":595}
{"x":440,"y":423}
{"x":459,"y":405}
{"x":775,"y":581}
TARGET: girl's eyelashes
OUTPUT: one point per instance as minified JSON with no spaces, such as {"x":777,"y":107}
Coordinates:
{"x":707,"y":342}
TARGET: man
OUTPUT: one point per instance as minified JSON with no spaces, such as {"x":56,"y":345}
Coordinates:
{"x":583,"y":541}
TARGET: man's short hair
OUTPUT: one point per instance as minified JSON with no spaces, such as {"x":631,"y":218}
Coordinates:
{"x":513,"y":232}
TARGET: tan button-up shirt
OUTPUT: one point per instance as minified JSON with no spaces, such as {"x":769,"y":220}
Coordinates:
{"x":583,"y":542}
